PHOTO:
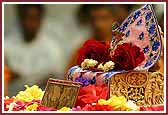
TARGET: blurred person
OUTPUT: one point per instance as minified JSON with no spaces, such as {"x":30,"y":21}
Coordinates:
{"x":83,"y":13}
{"x":100,"y":17}
{"x":31,"y":53}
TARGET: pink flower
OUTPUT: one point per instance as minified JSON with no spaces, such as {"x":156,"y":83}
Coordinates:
{"x":19,"y":106}
{"x":44,"y":108}
{"x":78,"y":108}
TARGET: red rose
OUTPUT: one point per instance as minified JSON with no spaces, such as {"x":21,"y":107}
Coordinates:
{"x":95,"y":50}
{"x":127,"y":57}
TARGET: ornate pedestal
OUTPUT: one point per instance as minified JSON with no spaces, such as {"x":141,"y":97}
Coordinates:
{"x":60,"y":93}
{"x":145,"y":88}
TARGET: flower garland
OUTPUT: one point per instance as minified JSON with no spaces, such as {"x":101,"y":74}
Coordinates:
{"x":24,"y":103}
{"x":30,"y":100}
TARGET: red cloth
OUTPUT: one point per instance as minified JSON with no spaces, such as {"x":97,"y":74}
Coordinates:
{"x":152,"y":108}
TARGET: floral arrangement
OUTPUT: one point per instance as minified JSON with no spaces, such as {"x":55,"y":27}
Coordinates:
{"x":95,"y":55}
{"x":30,"y":100}
{"x":27,"y":100}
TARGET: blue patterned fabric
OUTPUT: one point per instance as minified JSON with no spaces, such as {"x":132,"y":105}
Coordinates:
{"x":141,"y":29}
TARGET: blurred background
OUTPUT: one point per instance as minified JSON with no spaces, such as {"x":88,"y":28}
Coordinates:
{"x":41,"y":41}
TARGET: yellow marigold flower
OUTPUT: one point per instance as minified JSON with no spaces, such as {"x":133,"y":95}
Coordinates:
{"x":104,"y":102}
{"x":118,"y":103}
{"x":30,"y":93}
{"x":65,"y":109}
{"x":32,"y":107}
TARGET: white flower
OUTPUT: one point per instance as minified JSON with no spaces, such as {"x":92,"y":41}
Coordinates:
{"x":108,"y":66}
{"x":100,"y":67}
{"x":86,"y":60}
{"x":132,"y":105}
{"x":11,"y":106}
{"x":6,"y":97}
{"x":87,"y":63}
{"x":92,"y":63}
{"x":93,"y":103}
{"x":83,"y":65}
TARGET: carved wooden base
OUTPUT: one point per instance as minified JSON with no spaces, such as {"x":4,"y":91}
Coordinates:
{"x":60,"y":93}
{"x":145,"y":88}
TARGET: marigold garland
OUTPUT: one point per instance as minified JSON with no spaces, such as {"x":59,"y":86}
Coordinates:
{"x":22,"y":102}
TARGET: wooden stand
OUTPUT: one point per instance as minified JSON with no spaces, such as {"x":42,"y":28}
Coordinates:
{"x":60,"y":93}
{"x":145,"y":88}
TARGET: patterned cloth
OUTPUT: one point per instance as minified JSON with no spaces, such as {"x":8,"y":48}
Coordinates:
{"x":141,"y":29}
{"x":87,"y":77}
